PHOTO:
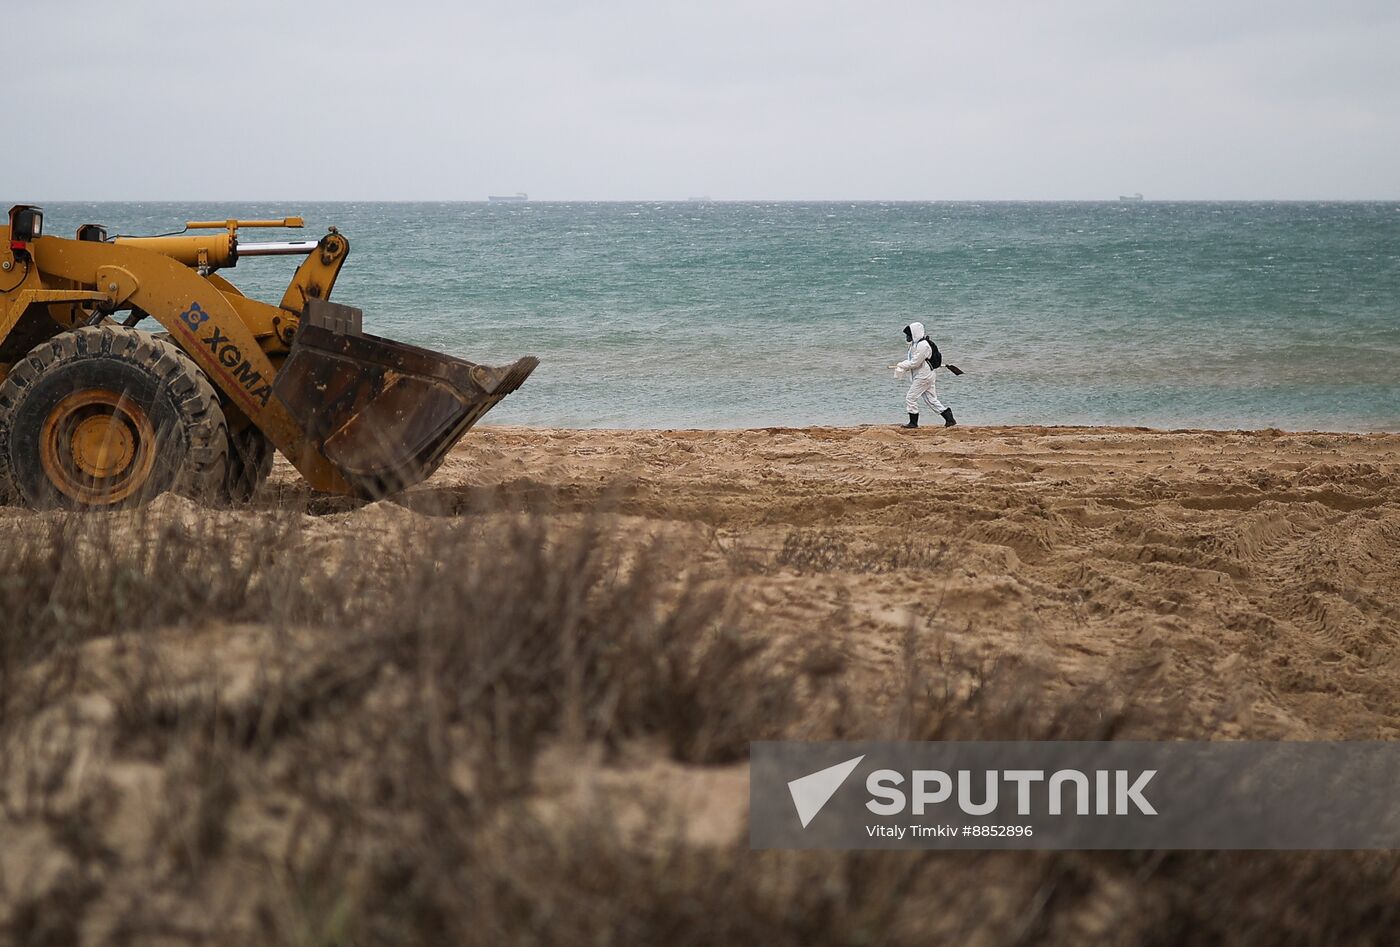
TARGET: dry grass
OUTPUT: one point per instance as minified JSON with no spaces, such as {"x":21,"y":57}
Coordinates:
{"x":814,"y":552}
{"x":217,"y":728}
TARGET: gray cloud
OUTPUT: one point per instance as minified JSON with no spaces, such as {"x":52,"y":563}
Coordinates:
{"x":149,"y":99}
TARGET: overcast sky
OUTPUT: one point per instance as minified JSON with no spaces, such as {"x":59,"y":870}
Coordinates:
{"x":737,"y":99}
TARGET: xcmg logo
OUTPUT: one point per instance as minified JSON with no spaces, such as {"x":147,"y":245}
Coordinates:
{"x":980,"y":792}
{"x":235,"y":367}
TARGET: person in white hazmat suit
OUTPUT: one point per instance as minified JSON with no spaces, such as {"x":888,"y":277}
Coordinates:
{"x":922,"y":387}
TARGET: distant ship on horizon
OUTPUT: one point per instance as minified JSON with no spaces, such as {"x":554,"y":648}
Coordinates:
{"x":517,"y":198}
{"x":1131,"y":198}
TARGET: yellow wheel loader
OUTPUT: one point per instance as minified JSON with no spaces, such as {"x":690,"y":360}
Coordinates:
{"x":98,"y":410}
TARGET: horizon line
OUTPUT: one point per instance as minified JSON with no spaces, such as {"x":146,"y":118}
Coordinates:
{"x":731,"y":200}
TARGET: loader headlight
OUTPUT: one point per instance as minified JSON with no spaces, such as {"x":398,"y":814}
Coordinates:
{"x":26,"y":223}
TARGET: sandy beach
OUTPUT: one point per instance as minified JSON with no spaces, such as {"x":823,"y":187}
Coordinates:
{"x":1252,"y":576}
{"x":404,"y":696}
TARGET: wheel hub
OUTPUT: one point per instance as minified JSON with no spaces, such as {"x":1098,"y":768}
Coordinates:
{"x":97,"y":447}
{"x":102,"y":448}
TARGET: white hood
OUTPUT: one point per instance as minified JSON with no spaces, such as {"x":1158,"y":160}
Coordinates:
{"x":916,"y":330}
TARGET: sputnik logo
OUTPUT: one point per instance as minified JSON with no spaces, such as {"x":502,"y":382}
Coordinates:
{"x":813,"y":791}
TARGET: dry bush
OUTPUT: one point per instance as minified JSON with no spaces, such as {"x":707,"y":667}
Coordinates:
{"x":67,"y":579}
{"x":949,"y":691}
{"x":375,"y":782}
{"x":410,"y":677}
{"x":808,"y":551}
{"x":588,"y":882}
{"x":819,"y":551}
{"x":1275,"y":898}
{"x":511,"y":624}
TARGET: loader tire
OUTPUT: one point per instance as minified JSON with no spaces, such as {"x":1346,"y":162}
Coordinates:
{"x":250,"y":458}
{"x":250,"y":454}
{"x":105,"y":417}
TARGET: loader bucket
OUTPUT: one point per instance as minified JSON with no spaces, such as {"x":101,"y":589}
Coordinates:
{"x":383,"y":412}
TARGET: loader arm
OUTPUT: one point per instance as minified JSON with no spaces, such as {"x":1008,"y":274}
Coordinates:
{"x":206,"y":325}
{"x":315,"y":278}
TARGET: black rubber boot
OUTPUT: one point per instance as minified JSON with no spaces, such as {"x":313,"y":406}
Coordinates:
{"x":913,"y":421}
{"x":948,"y":417}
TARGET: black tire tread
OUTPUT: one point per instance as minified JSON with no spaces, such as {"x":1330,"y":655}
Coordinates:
{"x":250,"y":460}
{"x":243,"y":480}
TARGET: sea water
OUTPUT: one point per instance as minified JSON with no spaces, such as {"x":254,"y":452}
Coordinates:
{"x":1219,"y":315}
